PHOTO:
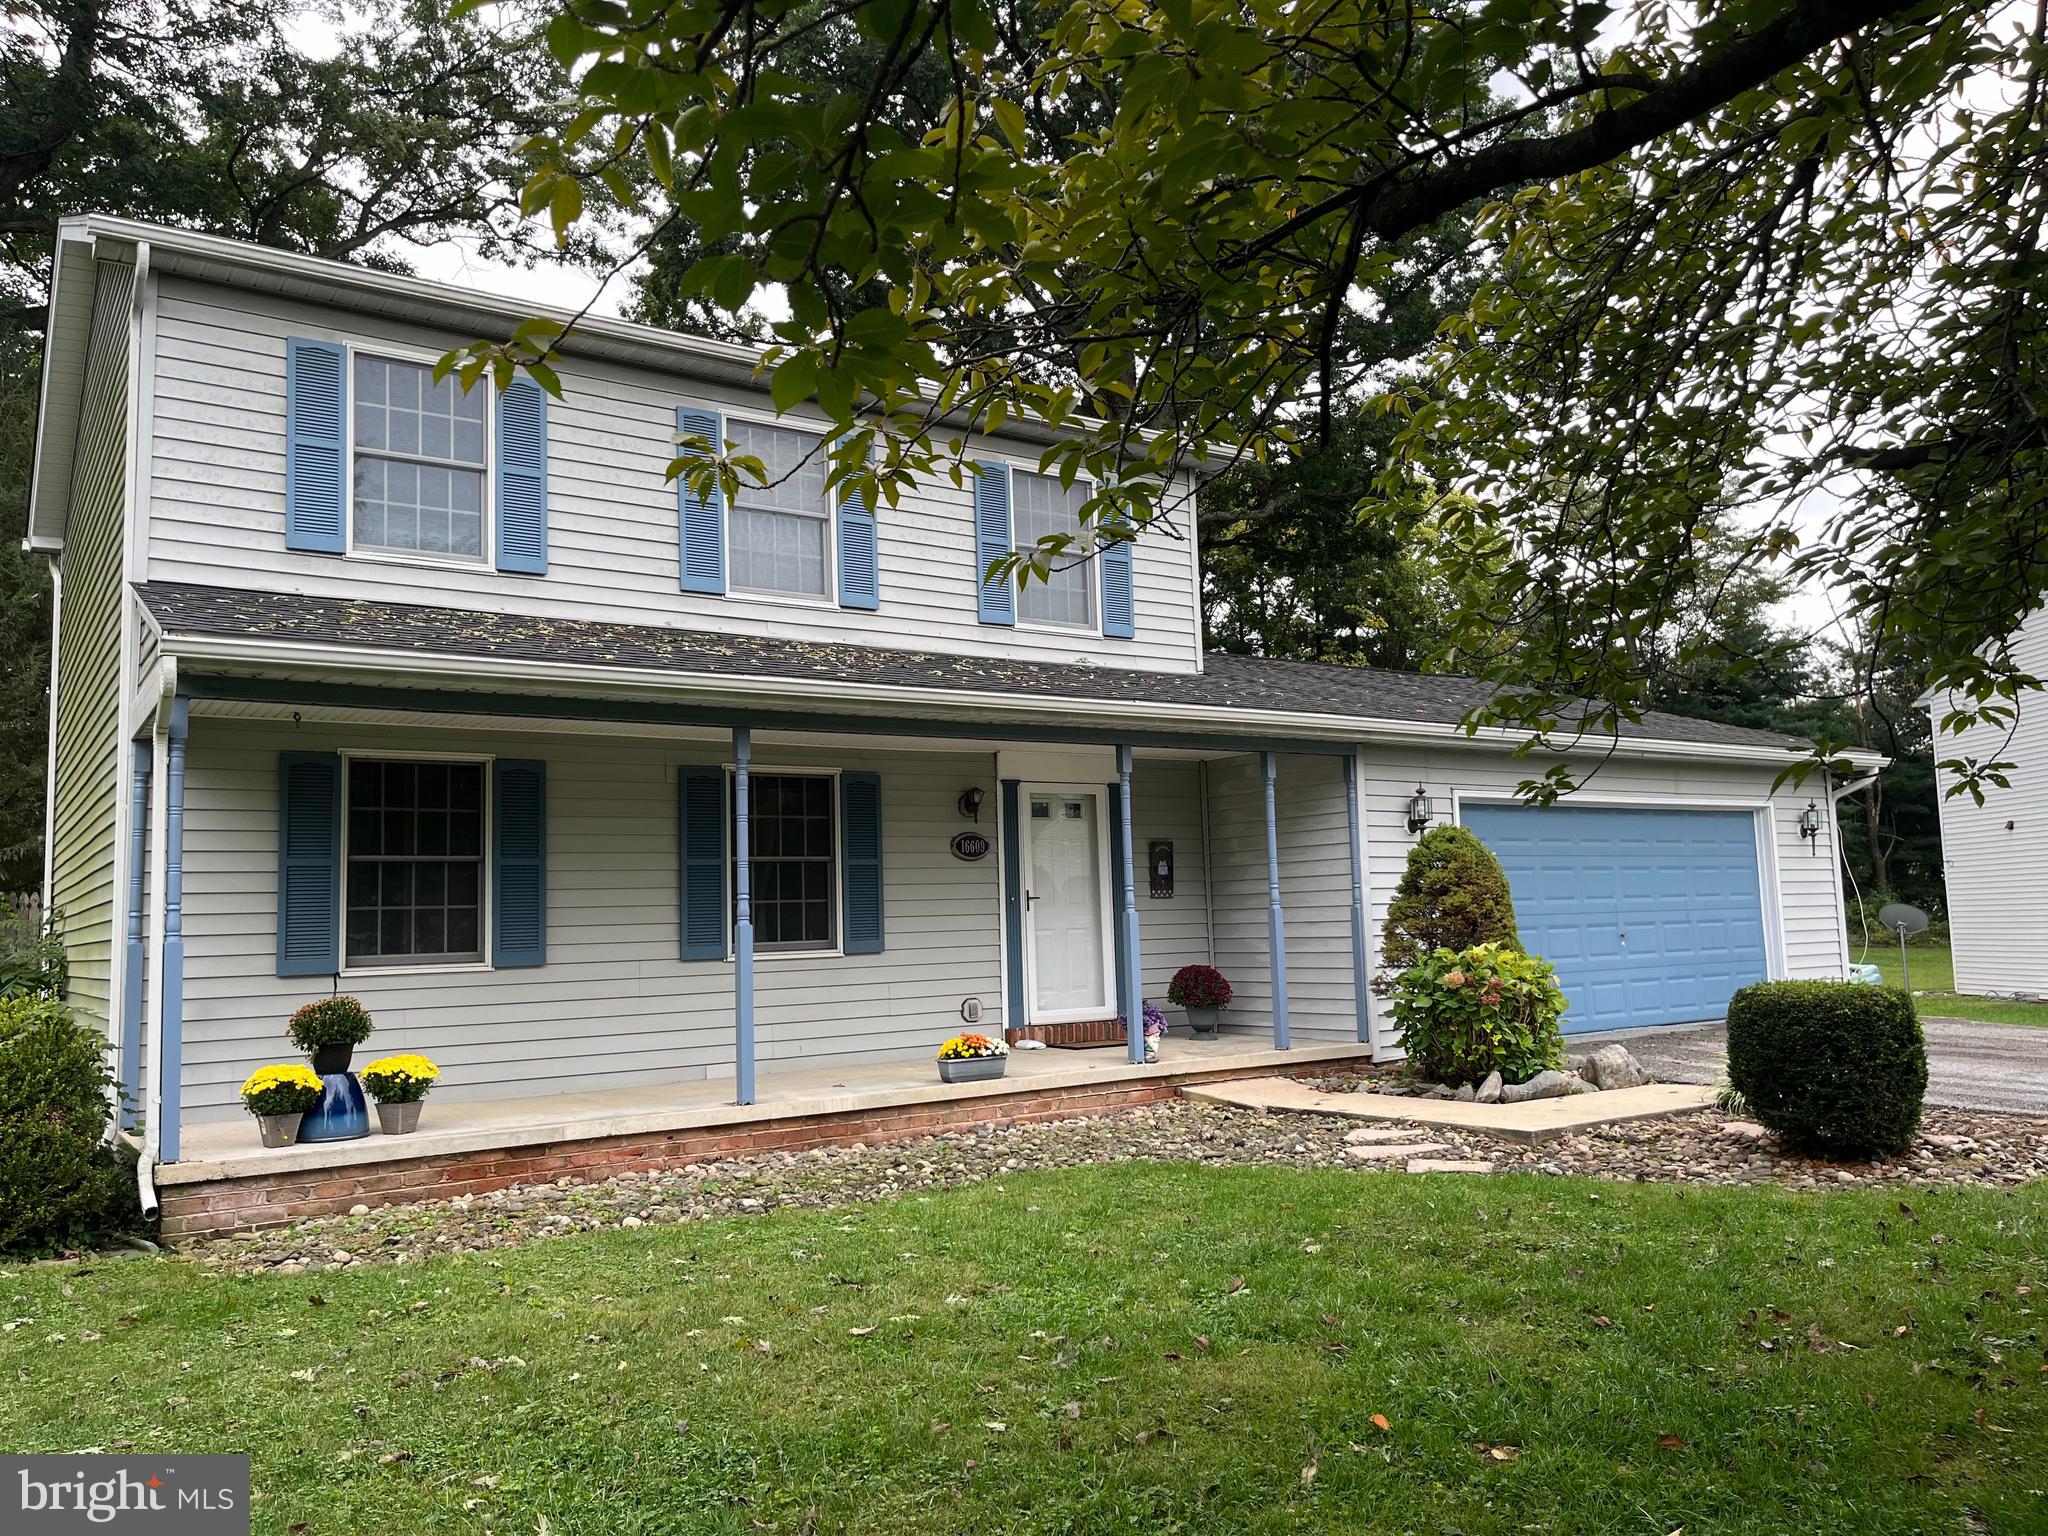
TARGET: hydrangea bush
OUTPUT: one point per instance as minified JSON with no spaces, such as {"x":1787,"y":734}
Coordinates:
{"x":1463,"y":1013}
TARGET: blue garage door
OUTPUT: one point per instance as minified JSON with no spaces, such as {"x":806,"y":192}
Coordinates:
{"x":1651,"y":917}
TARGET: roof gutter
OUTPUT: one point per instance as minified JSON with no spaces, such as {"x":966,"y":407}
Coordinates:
{"x":813,"y":696}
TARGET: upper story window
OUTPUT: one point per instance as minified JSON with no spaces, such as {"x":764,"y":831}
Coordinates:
{"x":419,"y":461}
{"x":1046,"y":507}
{"x":780,"y":533}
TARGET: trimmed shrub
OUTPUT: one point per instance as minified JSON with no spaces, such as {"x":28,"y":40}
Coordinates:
{"x":1838,"y":1069}
{"x":61,"y":1184}
{"x":1453,"y":895}
{"x":1465,"y":1013}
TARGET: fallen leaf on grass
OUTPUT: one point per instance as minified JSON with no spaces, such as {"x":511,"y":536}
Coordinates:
{"x":860,"y":1333}
{"x":1670,"y":1443}
{"x":1503,"y":1452}
{"x":1379,"y":1421}
{"x":1202,"y":1341}
{"x":1236,"y":1285}
{"x":1308,"y":1474}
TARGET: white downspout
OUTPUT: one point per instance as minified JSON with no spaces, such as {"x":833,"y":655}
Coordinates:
{"x":153,"y":1019}
{"x":50,"y":771}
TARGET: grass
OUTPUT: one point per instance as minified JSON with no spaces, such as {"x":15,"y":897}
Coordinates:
{"x":1933,"y":972}
{"x":1133,"y":1348}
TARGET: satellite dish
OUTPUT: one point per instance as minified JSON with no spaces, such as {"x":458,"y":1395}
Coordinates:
{"x":1902,"y":917}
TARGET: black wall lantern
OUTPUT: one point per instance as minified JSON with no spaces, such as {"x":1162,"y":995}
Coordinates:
{"x":1811,"y":820}
{"x":970,"y":804}
{"x":1420,"y":811}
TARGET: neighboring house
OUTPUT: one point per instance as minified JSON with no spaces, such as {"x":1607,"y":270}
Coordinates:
{"x":1995,"y":855}
{"x":446,"y":701}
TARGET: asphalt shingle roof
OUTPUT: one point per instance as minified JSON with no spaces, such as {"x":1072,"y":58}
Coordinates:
{"x":1252,"y":684}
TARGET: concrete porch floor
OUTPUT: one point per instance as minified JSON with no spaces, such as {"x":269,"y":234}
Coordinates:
{"x":229,"y":1149}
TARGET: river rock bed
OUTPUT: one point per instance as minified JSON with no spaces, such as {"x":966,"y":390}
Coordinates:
{"x":1703,"y":1147}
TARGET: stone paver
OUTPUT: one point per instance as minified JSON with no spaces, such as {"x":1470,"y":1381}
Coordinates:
{"x":1999,"y":1067}
{"x":1448,"y":1165}
{"x":1531,"y":1120}
{"x":1388,"y":1154}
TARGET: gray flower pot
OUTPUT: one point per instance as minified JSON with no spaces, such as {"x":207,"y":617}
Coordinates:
{"x":399,"y":1119}
{"x":1205,"y":1021}
{"x":278,"y":1130}
{"x":973,"y":1069}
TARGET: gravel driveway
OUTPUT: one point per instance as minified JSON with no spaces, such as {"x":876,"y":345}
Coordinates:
{"x":1997,"y":1067}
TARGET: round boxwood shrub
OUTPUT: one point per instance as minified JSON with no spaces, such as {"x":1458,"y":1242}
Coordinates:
{"x":1835,"y":1067}
{"x":62,"y":1184}
{"x":1463,"y":1013}
{"x":1452,"y":895}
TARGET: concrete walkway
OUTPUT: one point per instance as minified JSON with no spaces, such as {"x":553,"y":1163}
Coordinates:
{"x":1997,"y":1067}
{"x":1534,"y":1120}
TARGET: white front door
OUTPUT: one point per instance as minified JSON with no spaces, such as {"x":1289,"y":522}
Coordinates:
{"x":1067,"y":901}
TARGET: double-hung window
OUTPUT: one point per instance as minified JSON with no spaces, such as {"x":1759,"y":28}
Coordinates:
{"x":415,"y":850}
{"x":1045,"y":507}
{"x":418,"y":450}
{"x":793,"y":849}
{"x":780,"y":533}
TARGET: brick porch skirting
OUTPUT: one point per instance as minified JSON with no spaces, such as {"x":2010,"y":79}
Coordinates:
{"x":1088,"y":1032}
{"x":220,"y":1206}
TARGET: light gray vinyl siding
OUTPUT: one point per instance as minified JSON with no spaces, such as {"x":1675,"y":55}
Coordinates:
{"x":614,"y":1005}
{"x":86,"y":787}
{"x":1172,"y":931}
{"x":1995,"y":855}
{"x":1315,"y":893}
{"x":217,"y":462}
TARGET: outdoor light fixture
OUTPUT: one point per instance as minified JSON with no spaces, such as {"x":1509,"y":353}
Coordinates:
{"x":970,"y":804}
{"x":1811,"y":820}
{"x":1420,"y":811}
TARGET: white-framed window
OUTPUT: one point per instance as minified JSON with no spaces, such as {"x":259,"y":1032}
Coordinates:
{"x":415,"y":840}
{"x":793,"y":860}
{"x":418,"y":461}
{"x":1041,"y":506}
{"x":779,"y":536}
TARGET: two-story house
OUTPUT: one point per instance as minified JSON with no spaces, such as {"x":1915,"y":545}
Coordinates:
{"x":649,"y":816}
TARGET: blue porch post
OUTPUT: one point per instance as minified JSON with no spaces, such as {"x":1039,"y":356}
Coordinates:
{"x":134,"y":962}
{"x":1361,"y":990}
{"x":743,"y":913}
{"x":1127,"y":917}
{"x":1276,"y":922}
{"x":171,"y":1074}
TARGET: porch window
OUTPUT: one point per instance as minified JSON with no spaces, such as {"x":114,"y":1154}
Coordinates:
{"x":419,"y":461}
{"x":780,"y":532}
{"x":1045,"y":507}
{"x":415,"y":838}
{"x":793,"y":847}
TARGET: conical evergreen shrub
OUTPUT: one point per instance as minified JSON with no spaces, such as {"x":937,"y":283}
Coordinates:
{"x":1453,"y":895}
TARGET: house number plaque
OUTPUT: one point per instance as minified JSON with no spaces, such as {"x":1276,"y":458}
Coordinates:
{"x":970,"y":846}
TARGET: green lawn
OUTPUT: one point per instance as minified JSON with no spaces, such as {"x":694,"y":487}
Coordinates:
{"x":1934,"y":980}
{"x":1132,"y":1348}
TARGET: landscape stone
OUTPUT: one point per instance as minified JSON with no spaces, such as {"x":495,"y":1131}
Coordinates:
{"x":1448,"y":1165}
{"x":1465,"y":1093}
{"x":1404,"y":1150}
{"x":1489,"y":1091}
{"x":1370,"y":1133}
{"x":1611,"y":1067}
{"x":1744,"y":1130}
{"x":1544,"y":1085}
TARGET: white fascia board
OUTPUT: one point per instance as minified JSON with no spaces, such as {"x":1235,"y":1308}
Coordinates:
{"x":816,"y":695}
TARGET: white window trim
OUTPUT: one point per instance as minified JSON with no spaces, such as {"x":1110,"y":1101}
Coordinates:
{"x":829,"y":598}
{"x":837,"y":949}
{"x":1032,"y":1013}
{"x":1093,"y":628}
{"x":377,"y":554}
{"x":486,"y":886}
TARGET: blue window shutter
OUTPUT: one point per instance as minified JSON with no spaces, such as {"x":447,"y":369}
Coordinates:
{"x":702,"y":517}
{"x":860,"y":836}
{"x":519,"y":863}
{"x":860,"y":577}
{"x":523,"y":478}
{"x":1119,"y":598}
{"x":315,"y":417}
{"x":308,"y":863}
{"x":992,"y":542}
{"x":702,"y":801}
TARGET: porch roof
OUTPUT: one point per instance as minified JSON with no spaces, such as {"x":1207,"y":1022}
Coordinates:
{"x":1264,"y":693}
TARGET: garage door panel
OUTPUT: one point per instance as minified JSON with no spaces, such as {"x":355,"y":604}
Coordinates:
{"x":1650,"y":916}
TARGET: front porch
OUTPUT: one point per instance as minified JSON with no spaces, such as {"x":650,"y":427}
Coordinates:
{"x":226,"y":1182}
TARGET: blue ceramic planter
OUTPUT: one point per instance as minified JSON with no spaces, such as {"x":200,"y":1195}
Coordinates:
{"x":341,"y":1114}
